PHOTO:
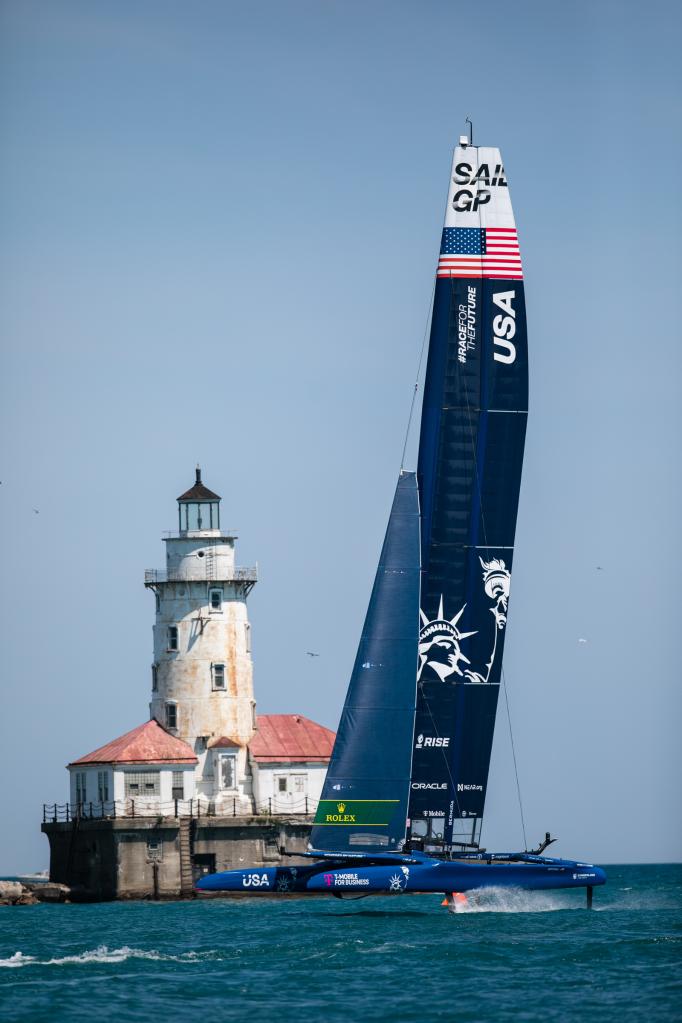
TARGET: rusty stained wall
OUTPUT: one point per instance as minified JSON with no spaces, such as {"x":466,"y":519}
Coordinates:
{"x":198,"y":562}
{"x":185,"y":676}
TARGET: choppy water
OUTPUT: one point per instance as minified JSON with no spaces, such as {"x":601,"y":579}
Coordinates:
{"x":510,"y":956}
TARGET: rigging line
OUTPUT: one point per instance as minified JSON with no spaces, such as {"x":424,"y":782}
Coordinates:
{"x":516,"y":773}
{"x":419,"y":369}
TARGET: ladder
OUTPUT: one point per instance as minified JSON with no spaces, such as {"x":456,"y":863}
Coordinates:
{"x":186,"y":879}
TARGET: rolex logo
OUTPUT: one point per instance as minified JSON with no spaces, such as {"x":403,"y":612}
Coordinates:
{"x":356,"y":810}
{"x":340,"y":817}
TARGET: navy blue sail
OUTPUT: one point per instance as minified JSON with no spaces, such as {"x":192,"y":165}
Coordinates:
{"x":469,"y":473}
{"x":365,"y":796}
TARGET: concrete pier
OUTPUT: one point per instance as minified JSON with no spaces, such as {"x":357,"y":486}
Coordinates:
{"x":160,"y":858}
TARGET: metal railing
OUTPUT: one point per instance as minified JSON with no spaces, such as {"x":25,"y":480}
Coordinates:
{"x":194,"y":534}
{"x":54,"y":813}
{"x":235,"y":574}
{"x":274,"y":807}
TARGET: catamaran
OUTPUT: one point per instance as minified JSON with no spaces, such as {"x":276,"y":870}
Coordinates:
{"x":402,"y":804}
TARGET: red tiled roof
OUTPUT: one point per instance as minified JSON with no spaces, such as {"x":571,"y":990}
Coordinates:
{"x":290,"y":738}
{"x":147,"y":744}
{"x":223,"y":742}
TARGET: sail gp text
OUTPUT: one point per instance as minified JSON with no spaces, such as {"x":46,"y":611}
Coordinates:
{"x":472,"y":198}
{"x":466,"y":325}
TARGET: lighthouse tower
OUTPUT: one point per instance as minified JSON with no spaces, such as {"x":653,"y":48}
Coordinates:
{"x":202,"y":673}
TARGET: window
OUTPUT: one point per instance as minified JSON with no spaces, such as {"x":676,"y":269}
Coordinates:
{"x":437,"y":827}
{"x":228,"y":771}
{"x":254,"y":722}
{"x":171,"y":715}
{"x":81,"y":787}
{"x":247,"y":632}
{"x":157,"y":597}
{"x":199,"y":515}
{"x":142,"y":783}
{"x":172,"y":637}
{"x":155,"y":678}
{"x":215,"y":600}
{"x":299,"y":784}
{"x":103,"y":786}
{"x":218,"y":676}
{"x":154,"y":848}
{"x":178,"y":784}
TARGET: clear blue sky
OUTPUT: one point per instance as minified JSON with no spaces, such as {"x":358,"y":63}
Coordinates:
{"x":220,"y":225}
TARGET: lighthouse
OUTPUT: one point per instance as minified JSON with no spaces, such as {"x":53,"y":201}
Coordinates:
{"x":202,"y":672}
{"x":203,"y":784}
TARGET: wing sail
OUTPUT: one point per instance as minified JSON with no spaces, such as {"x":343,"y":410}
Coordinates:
{"x":469,"y":473}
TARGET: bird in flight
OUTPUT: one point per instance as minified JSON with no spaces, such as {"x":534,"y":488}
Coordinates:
{"x":581,"y":640}
{"x":311,"y":654}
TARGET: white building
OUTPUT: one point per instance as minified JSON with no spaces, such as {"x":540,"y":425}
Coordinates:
{"x":289,"y":756}
{"x":204,"y":747}
{"x":135,"y":773}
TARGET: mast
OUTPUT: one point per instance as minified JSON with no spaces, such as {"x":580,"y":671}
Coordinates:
{"x":469,"y":472}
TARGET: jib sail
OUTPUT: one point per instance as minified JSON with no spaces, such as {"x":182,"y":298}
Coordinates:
{"x":365,"y":795}
{"x":469,"y":473}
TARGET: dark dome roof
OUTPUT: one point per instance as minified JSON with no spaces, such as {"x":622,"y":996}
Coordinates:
{"x":198,"y":492}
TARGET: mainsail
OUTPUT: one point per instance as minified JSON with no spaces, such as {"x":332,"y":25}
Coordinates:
{"x":469,"y":473}
{"x":365,"y":795}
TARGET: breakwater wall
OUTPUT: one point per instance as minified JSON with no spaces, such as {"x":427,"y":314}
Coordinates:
{"x":161,"y":858}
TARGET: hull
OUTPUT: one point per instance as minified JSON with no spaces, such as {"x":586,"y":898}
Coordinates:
{"x":406,"y":874}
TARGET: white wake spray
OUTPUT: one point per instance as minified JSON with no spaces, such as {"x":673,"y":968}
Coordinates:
{"x":102,"y":954}
{"x":513,"y":900}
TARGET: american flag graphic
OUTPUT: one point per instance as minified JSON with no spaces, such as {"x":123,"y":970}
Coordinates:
{"x":480,"y":252}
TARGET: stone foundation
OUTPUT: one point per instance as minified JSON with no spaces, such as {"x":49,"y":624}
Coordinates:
{"x":160,"y":858}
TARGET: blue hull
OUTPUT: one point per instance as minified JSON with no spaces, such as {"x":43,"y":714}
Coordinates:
{"x":388,"y":874}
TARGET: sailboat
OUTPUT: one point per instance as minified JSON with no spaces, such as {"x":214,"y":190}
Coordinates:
{"x":402,"y":804}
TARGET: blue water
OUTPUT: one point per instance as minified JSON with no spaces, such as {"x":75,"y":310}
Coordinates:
{"x":511,"y":956}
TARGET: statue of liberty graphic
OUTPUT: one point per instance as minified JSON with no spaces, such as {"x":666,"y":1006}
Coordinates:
{"x":440,"y":639}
